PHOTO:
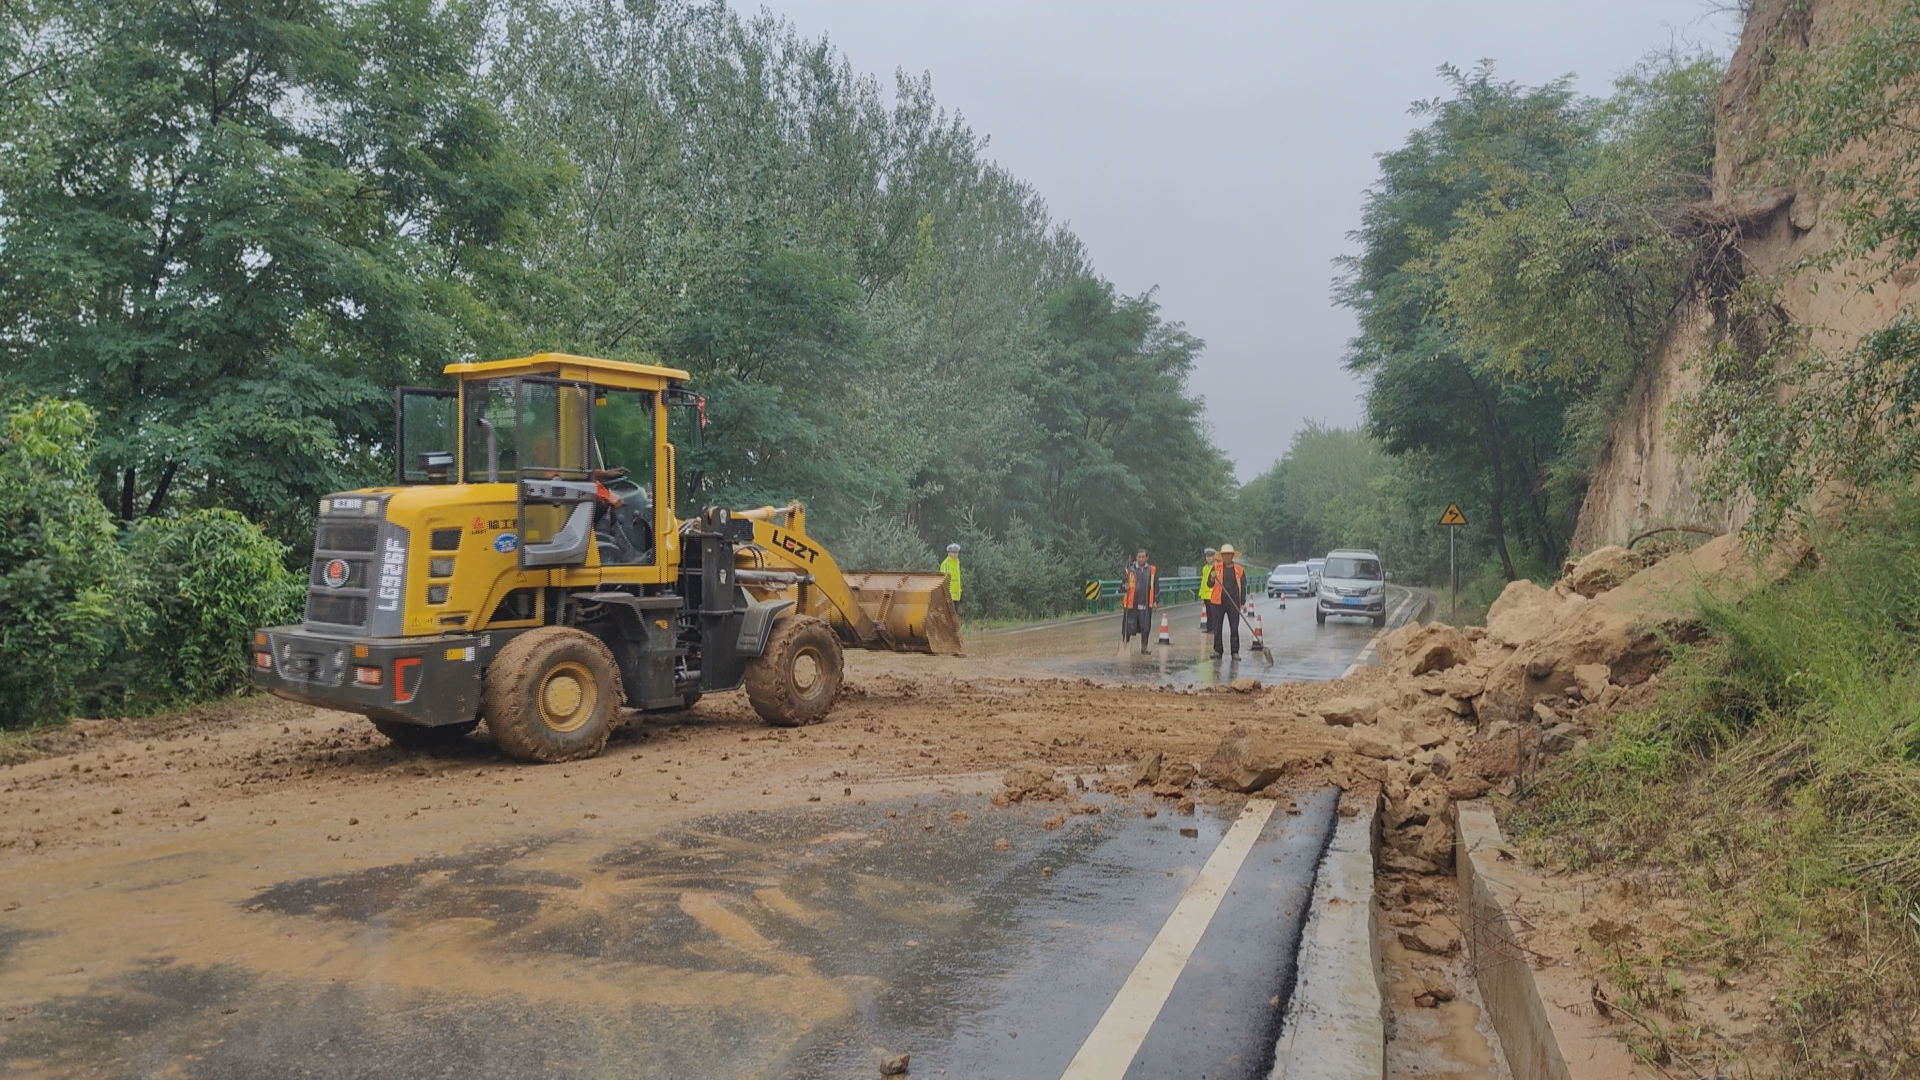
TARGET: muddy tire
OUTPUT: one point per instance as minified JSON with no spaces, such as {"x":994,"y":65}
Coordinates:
{"x":1380,"y":619}
{"x":688,"y":701}
{"x":795,"y":681}
{"x":1319,"y":617}
{"x":420,"y":737}
{"x":551,"y":695}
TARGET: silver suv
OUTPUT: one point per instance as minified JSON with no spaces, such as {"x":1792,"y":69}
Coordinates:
{"x":1352,"y":583}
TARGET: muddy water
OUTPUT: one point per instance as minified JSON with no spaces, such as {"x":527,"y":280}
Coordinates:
{"x":789,"y":941}
{"x":1298,"y":649}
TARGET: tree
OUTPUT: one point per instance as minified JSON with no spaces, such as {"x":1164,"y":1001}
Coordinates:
{"x":60,"y":567}
{"x":232,"y":229}
{"x":1521,"y":255}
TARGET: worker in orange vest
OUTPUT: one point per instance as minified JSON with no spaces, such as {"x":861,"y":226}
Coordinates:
{"x":1228,"y":598}
{"x":1139,"y":580}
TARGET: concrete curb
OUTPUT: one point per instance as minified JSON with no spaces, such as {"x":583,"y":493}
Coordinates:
{"x":1564,"y":1041}
{"x":1335,"y":1026}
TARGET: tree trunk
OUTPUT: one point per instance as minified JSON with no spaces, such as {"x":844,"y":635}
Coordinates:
{"x":160,"y":489}
{"x":126,"y":498}
{"x":1490,"y":439}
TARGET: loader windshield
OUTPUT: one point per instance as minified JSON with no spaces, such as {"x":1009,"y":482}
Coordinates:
{"x":489,"y":432}
{"x":555,"y":428}
{"x":526,"y":427}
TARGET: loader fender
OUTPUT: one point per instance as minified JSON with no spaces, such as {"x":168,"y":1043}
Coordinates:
{"x":757,"y":625}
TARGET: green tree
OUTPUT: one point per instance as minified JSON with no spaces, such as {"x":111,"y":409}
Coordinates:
{"x":231,"y":229}
{"x":205,"y":581}
{"x":1521,"y":254}
{"x":61,"y":568}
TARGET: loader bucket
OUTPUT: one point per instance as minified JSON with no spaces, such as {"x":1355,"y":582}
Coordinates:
{"x":913,"y":609}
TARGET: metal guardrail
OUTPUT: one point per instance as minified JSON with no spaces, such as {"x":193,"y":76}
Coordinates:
{"x":1105,"y":595}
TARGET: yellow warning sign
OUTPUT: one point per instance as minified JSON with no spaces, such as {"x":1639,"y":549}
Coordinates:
{"x":1093,"y":590}
{"x":1453,"y":516}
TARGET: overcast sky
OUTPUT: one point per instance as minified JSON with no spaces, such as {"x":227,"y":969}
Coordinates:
{"x":1219,"y":152}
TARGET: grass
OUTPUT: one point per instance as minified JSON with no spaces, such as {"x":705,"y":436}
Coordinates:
{"x":1774,"y":782}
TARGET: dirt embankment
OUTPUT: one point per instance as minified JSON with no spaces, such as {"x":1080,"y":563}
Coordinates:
{"x":1643,"y":479}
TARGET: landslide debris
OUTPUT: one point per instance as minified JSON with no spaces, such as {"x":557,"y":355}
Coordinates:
{"x":1450,"y":714}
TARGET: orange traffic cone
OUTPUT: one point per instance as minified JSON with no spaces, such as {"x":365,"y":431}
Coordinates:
{"x":1166,"y":633}
{"x":1259,"y":632}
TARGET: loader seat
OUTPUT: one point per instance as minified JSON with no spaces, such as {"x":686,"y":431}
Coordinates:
{"x":624,"y":534}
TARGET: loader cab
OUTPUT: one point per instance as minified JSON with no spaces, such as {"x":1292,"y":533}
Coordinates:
{"x":578,"y":445}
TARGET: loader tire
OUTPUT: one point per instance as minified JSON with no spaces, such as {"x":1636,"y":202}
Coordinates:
{"x":551,"y":695}
{"x":420,"y":737}
{"x":796,"y":679}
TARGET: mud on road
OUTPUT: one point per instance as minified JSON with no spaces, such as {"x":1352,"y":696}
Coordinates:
{"x":278,"y":857}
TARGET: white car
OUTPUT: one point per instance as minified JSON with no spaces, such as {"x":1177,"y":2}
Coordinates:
{"x":1290,"y":579}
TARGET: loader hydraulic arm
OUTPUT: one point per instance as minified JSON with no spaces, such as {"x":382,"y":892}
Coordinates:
{"x":890,"y":611}
{"x":781,"y":533}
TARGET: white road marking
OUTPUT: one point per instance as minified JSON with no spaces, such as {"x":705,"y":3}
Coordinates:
{"x":1109,"y":1049}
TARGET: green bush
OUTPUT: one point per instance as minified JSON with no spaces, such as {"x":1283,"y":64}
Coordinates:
{"x":92,"y":620}
{"x":61,"y":568}
{"x":1776,"y":777}
{"x":205,"y":580}
{"x":1017,"y":575}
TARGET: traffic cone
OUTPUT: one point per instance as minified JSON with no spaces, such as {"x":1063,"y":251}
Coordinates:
{"x":1166,"y":633}
{"x":1259,"y":632}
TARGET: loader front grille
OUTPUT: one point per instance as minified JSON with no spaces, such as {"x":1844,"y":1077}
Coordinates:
{"x":359,"y":563}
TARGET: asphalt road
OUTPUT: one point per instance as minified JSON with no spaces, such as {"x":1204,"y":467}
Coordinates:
{"x":799,"y":942}
{"x":1297,"y":648}
{"x":795,"y":939}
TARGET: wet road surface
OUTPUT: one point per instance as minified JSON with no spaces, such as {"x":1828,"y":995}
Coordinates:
{"x":1298,"y":649}
{"x":791,"y":942}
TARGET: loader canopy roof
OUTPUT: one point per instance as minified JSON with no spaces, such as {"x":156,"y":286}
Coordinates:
{"x":611,"y":373}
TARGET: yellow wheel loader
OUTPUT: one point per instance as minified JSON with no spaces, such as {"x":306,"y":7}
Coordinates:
{"x":529,"y":568}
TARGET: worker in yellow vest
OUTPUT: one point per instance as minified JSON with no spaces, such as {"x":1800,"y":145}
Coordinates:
{"x":1206,"y":590}
{"x":950,"y":566}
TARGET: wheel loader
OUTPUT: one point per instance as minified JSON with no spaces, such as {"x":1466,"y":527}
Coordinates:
{"x":529,"y":568}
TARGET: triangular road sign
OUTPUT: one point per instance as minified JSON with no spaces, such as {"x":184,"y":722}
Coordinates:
{"x":1453,"y":516}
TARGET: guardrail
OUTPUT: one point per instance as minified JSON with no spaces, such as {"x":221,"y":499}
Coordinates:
{"x":1106,"y":595}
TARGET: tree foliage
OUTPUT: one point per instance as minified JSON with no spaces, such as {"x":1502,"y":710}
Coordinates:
{"x":1520,"y":255}
{"x":60,"y":561}
{"x":887,"y":325}
{"x":231,"y":229}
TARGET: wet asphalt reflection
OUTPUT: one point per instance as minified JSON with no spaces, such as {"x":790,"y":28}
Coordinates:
{"x":1298,"y":649}
{"x":792,"y":943}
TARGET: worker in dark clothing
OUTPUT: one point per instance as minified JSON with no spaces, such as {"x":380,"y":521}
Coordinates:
{"x":1229,"y":587}
{"x":1138,"y":582}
